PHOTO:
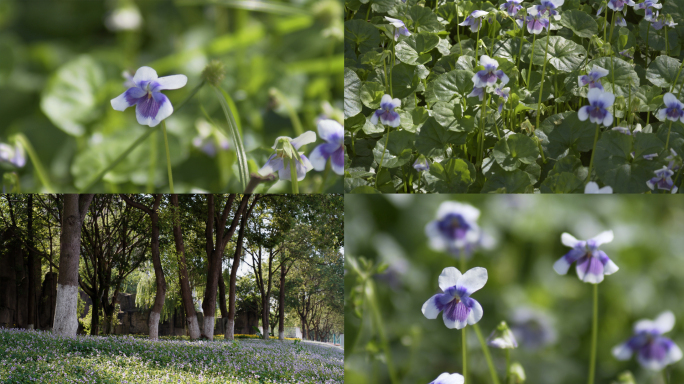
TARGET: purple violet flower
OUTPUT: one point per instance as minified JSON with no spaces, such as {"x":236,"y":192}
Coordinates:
{"x":648,"y":6}
{"x":549,"y":6}
{"x":511,"y":7}
{"x":592,"y":78}
{"x":386,"y":112}
{"x":618,"y":5}
{"x":673,"y":111}
{"x":446,"y":378}
{"x":14,"y":156}
{"x":592,"y":263}
{"x":421,"y":164}
{"x":455,"y":228}
{"x":489,"y":75}
{"x":332,"y":132}
{"x":474,"y":20}
{"x":654,"y":351}
{"x":459,"y":309}
{"x":536,"y":21}
{"x":663,"y":179}
{"x":597,"y":110}
{"x":152,"y":106}
{"x":279,"y":162}
{"x":399,"y":27}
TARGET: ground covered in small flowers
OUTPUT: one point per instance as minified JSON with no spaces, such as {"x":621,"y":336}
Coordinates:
{"x":35,"y":356}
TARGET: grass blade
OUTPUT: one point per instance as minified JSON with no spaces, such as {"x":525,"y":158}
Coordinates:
{"x":233,"y":132}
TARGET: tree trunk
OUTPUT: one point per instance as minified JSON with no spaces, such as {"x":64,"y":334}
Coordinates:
{"x":74,"y":210}
{"x":222,"y":302}
{"x":281,"y":304}
{"x":264,"y":317}
{"x":95,"y":318}
{"x":159,"y":278}
{"x":33,"y":271}
{"x":303,"y":328}
{"x":186,"y":293}
{"x":230,"y":332}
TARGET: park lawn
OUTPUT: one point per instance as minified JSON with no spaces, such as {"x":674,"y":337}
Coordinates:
{"x":37,"y":356}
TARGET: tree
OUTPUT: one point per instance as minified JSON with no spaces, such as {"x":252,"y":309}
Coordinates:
{"x":74,"y":211}
{"x":186,"y":293}
{"x":160,"y":280}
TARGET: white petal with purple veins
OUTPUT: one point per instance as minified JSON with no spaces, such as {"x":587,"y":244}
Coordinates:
{"x":144,"y":74}
{"x":488,"y":62}
{"x":153,"y":110}
{"x":120,"y":103}
{"x":664,"y":323}
{"x":468,"y":212}
{"x":622,"y":351}
{"x":476,"y":312}
{"x":478,"y":13}
{"x":473,"y":280}
{"x":670,"y":99}
{"x":590,"y":270}
{"x":561,"y":266}
{"x":610,"y":267}
{"x":320,"y":155}
{"x":171,"y":82}
{"x":337,"y":161}
{"x":455,"y":315}
{"x":374,"y":118}
{"x":449,"y":277}
{"x":395,"y":22}
{"x":331,"y":131}
{"x":273,"y":165}
{"x":430,"y":308}
{"x":606,"y":98}
{"x":593,"y":95}
{"x":446,"y":378}
{"x":303,"y":139}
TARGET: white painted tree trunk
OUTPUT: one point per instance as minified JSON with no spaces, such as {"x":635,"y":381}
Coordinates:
{"x":193,"y":328}
{"x":209,"y":327}
{"x":281,"y":335}
{"x":66,"y":320}
{"x":230,"y":331}
{"x":154,"y":326}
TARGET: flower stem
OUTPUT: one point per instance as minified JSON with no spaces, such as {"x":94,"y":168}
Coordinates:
{"x":465,"y":352}
{"x":135,"y":144}
{"x":488,"y":357}
{"x":293,"y":177}
{"x":37,"y":164}
{"x":379,"y":325}
{"x":594,"y":333}
{"x":168,"y":156}
{"x":522,"y":38}
{"x":612,"y":26}
{"x":508,"y":364}
{"x":529,"y":71}
{"x":648,"y":29}
{"x":153,"y":163}
{"x":382,"y":158}
{"x":593,"y":151}
{"x":667,"y":141}
{"x":477,"y":44}
{"x":480,"y":152}
{"x":541,"y":86}
{"x":458,"y":34}
{"x":677,"y":78}
{"x":394,"y":30}
{"x":667,"y":43}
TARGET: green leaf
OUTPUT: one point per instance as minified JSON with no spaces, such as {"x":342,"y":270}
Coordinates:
{"x":412,"y":47}
{"x":354,"y":123}
{"x":656,"y":39}
{"x":623,"y":73}
{"x":365,"y":189}
{"x":71,"y":98}
{"x":404,"y":80}
{"x":515,"y":150}
{"x":451,"y":84}
{"x":362,"y":35}
{"x":565,"y":55}
{"x":382,"y":6}
{"x":615,"y":165}
{"x":663,"y":71}
{"x":371,"y":94}
{"x":352,"y":90}
{"x":424,"y":20}
{"x":566,"y":132}
{"x":579,"y":22}
{"x":383,"y":181}
{"x":509,"y":48}
{"x":449,"y":115}
{"x":564,"y":182}
{"x":234,"y":133}
{"x":508,"y":182}
{"x":398,"y":150}
{"x":433,"y":138}
{"x":450,"y":176}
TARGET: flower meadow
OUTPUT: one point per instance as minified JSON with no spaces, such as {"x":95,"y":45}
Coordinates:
{"x":514,"y":96}
{"x":189,"y":96}
{"x":513,"y":289}
{"x":35,"y":356}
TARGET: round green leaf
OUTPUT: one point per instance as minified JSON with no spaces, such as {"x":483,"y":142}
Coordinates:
{"x":515,"y":150}
{"x":450,"y":84}
{"x":398,"y":150}
{"x":449,"y":115}
{"x":424,"y":20}
{"x":362,"y":35}
{"x":371,"y":94}
{"x":410,"y":49}
{"x":564,"y":182}
{"x":404,"y":80}
{"x":71,"y":98}
{"x":663,"y":71}
{"x":656,"y":39}
{"x":579,"y":22}
{"x":508,"y":182}
{"x":565,"y":55}
{"x":566,"y":132}
{"x":450,"y":176}
{"x":352,"y":89}
{"x":615,"y":165}
{"x":433,"y":138}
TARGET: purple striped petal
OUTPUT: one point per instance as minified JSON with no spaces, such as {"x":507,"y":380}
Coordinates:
{"x":590,"y":270}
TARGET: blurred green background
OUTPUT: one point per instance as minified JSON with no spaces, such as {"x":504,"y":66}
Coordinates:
{"x":61,"y":61}
{"x":526,"y":233}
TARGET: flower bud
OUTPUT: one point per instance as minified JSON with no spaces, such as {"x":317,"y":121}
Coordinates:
{"x":214,"y":72}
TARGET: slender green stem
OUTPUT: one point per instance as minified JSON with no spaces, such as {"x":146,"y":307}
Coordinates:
{"x":488,"y":357}
{"x":153,"y":163}
{"x":677,"y":78}
{"x":465,"y":352}
{"x":667,"y":141}
{"x":382,"y":158}
{"x":541,"y":86}
{"x":293,"y":176}
{"x":605,"y":24}
{"x":594,"y":333}
{"x":529,"y":71}
{"x":522,"y":39}
{"x":35,"y":160}
{"x":648,"y":29}
{"x":168,"y":156}
{"x":508,"y":364}
{"x":458,"y":34}
{"x":593,"y":151}
{"x":368,"y":12}
{"x":135,"y":144}
{"x":483,"y":116}
{"x":393,"y":62}
{"x":477,"y":44}
{"x":610,"y":36}
{"x":667,"y":43}
{"x":541,"y":150}
{"x":380,"y":328}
